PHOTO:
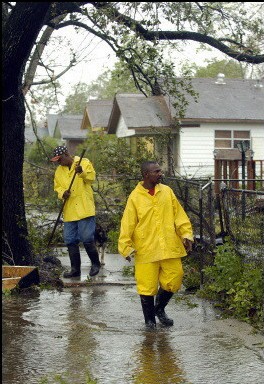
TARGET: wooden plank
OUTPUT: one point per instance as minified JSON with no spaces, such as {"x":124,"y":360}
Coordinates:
{"x":19,"y":276}
{"x":16,"y":270}
{"x":10,"y":282}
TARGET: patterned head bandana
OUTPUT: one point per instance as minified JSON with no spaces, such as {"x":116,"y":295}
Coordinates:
{"x":58,"y":151}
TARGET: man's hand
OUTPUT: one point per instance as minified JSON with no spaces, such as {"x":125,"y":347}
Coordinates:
{"x":66,"y":195}
{"x":78,"y":169}
{"x":129,"y":257}
{"x":188,"y":245}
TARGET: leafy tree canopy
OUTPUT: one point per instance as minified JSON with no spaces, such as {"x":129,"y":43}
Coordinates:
{"x":76,"y":101}
{"x":229,"y":68}
{"x":111,"y":82}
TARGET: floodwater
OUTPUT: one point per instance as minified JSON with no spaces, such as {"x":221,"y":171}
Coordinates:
{"x":97,"y":332}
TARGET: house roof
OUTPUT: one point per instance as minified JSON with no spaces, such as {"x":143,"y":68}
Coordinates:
{"x":139,"y":111}
{"x":51,"y":123}
{"x":69,"y":127}
{"x":30,"y":136}
{"x":98,"y":112}
{"x":232,"y":100}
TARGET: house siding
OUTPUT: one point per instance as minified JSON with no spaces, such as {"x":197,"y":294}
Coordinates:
{"x":196,"y":158}
{"x":122,"y":130}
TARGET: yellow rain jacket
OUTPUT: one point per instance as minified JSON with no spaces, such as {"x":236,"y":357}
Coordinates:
{"x":153,"y":226}
{"x":80,"y":204}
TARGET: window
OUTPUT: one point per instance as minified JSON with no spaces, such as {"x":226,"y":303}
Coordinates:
{"x":229,"y":139}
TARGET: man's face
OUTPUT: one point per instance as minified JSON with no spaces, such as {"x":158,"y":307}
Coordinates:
{"x":64,"y":159}
{"x":154,"y":174}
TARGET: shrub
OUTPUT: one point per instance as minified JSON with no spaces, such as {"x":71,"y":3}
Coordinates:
{"x":113,"y":241}
{"x":236,"y":285}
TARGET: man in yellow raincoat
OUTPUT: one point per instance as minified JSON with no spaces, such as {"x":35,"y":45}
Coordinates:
{"x":79,"y":208}
{"x":155,"y":230}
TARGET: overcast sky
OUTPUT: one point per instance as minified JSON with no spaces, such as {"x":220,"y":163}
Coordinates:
{"x":94,"y":56}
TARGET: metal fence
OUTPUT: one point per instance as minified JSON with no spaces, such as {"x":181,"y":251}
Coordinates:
{"x":236,"y":213}
{"x":243,"y":220}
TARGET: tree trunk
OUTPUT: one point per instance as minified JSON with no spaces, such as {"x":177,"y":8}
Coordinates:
{"x":19,"y":35}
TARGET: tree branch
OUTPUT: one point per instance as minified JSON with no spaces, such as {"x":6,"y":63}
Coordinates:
{"x":179,"y":35}
{"x":53,"y":78}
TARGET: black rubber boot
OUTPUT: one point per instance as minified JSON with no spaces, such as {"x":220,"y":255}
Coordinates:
{"x":75,"y":258}
{"x":94,"y":257}
{"x":162,"y":299}
{"x":148,"y":308}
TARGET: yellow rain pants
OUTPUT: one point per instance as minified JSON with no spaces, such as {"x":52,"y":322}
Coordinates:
{"x":166,"y":273}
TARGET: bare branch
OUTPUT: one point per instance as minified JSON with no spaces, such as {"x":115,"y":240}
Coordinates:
{"x":56,"y":77}
{"x":34,"y":62}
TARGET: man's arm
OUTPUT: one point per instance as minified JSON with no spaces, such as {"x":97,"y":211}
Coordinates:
{"x":182,"y":223}
{"x":85,"y":170}
{"x":127,"y":227}
{"x":187,"y":244}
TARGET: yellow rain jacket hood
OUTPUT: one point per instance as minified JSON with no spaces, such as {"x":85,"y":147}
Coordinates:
{"x":153,"y":226}
{"x":80,"y":204}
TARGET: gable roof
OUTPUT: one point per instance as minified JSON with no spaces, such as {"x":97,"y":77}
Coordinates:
{"x":232,"y":100}
{"x":98,"y":113}
{"x":69,"y":127}
{"x":139,"y":112}
{"x":52,"y":119}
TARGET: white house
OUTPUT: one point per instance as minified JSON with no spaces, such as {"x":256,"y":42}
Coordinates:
{"x":227,"y":111}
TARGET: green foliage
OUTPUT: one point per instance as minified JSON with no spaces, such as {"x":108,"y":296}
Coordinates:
{"x":230,"y":68}
{"x":41,"y":151}
{"x":75,"y":102}
{"x":119,"y":80}
{"x":111,"y":154}
{"x":39,"y":231}
{"x":38,"y":174}
{"x":6,"y":292}
{"x":237,"y":285}
{"x":191,"y":277}
{"x":246,"y":296}
{"x":117,"y":165}
{"x":227,"y":269}
{"x":112,"y":244}
{"x":38,"y":187}
{"x":128,"y":271}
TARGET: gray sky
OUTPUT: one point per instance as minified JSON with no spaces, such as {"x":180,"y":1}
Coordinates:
{"x":94,"y":56}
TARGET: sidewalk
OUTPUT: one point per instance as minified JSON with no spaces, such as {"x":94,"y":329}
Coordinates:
{"x":112,"y":273}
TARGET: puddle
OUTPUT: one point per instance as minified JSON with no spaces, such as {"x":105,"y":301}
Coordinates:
{"x":51,"y":336}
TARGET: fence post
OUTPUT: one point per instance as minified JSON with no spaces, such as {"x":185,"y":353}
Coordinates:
{"x":201,"y":234}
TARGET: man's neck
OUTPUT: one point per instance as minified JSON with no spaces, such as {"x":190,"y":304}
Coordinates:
{"x":147,"y":185}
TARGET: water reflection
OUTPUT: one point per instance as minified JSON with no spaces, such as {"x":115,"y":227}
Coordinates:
{"x":15,"y":329}
{"x":80,"y":338}
{"x":51,"y":337}
{"x":156,"y":360}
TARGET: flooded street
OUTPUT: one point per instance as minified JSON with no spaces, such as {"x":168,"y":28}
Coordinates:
{"x":98,"y":331}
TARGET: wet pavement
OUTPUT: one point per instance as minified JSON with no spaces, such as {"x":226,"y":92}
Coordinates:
{"x":96,"y":329}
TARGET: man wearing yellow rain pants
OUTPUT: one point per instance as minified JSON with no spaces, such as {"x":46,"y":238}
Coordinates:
{"x":155,"y":230}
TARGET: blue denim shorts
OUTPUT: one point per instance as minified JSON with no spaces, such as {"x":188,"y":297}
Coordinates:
{"x":78,"y":231}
